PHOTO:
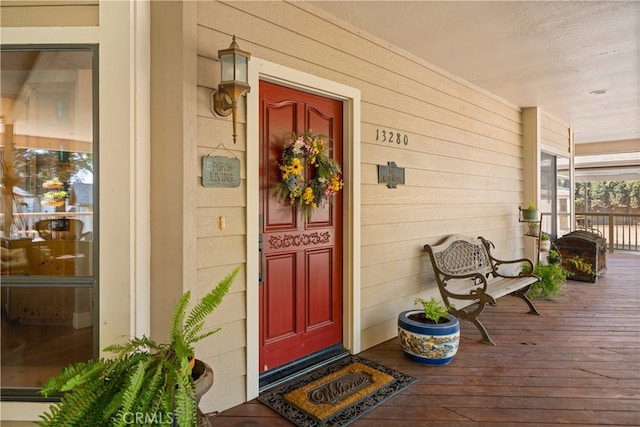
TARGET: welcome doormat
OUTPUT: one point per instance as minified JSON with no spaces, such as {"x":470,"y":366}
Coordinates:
{"x":336,"y":394}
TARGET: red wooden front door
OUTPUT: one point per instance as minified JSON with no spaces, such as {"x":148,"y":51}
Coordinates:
{"x":301,"y":265}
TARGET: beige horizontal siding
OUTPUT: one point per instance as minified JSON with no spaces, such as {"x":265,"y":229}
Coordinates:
{"x":554,"y":134}
{"x":49,"y":13}
{"x":209,"y":221}
{"x":329,"y":51}
{"x":229,"y":386}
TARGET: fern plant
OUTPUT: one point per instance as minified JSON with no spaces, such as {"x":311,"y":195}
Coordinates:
{"x":552,"y":280}
{"x":145,"y":382}
{"x":435,"y":311}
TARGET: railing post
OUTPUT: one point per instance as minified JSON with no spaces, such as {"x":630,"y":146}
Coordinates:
{"x":611,"y":228}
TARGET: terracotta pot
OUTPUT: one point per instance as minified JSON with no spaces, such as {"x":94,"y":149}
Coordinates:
{"x":203,"y":377}
{"x":52,"y":185}
{"x":53,"y":202}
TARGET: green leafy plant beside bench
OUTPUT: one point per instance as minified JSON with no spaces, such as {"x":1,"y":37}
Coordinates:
{"x":552,"y":280}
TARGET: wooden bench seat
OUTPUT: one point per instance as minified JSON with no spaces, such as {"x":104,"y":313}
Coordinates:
{"x":467,"y":273}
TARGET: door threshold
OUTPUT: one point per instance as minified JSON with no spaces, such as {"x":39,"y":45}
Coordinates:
{"x":292,"y":370}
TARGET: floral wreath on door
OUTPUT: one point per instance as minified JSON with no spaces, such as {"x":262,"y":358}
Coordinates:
{"x":325,"y":181}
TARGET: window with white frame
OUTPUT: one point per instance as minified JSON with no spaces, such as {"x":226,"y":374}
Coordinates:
{"x":49,"y":230}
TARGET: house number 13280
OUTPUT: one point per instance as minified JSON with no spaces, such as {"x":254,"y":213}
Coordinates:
{"x":391,"y":137}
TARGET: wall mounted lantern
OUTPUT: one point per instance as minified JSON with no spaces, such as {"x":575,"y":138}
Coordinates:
{"x":234,"y":64}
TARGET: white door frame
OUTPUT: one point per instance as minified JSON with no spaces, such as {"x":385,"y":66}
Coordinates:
{"x":263,"y":70}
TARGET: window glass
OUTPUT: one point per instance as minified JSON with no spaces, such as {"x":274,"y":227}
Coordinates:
{"x":564,"y":196}
{"x":47,"y":226}
{"x":43,"y":330}
{"x":555,"y":194}
{"x":547,"y":204}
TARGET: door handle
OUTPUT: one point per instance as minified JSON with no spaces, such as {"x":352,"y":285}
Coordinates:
{"x":261,"y":250}
{"x":262,"y":260}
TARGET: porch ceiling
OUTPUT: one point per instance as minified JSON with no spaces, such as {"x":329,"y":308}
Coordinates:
{"x":550,"y":54}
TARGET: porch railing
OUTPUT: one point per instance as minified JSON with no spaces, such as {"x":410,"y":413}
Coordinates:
{"x":621,"y":230}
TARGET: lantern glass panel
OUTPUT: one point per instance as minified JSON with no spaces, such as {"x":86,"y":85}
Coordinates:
{"x":227,"y":67}
{"x":241,"y":68}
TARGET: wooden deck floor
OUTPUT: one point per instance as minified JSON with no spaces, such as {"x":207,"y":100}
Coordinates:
{"x":576,"y":364}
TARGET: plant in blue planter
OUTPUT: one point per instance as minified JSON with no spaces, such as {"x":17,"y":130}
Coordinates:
{"x":430,"y":336}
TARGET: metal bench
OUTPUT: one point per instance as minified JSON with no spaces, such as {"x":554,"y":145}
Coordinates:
{"x":466,"y":271}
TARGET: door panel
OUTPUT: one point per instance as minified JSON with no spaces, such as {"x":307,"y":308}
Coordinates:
{"x":279,"y":117}
{"x":280,"y":323}
{"x":301,"y":296}
{"x":319,"y":289}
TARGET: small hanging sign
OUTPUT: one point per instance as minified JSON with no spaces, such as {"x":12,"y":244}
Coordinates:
{"x":218,"y":171}
{"x":391,"y":175}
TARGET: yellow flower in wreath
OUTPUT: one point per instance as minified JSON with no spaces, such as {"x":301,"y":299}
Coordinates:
{"x":307,"y":197}
{"x":296,"y":167}
{"x":336,"y":184}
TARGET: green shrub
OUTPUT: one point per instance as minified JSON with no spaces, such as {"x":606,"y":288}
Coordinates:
{"x":552,"y":280}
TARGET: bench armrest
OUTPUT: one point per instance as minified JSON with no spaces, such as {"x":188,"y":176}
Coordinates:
{"x":478,"y":279}
{"x":524,"y":271}
{"x":496,"y":263}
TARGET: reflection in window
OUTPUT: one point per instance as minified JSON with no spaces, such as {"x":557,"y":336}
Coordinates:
{"x":564,"y":189}
{"x":555,"y":194}
{"x":43,"y":330}
{"x":47,"y":224}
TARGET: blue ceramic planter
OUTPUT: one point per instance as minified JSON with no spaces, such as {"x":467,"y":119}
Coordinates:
{"x":428,"y":343}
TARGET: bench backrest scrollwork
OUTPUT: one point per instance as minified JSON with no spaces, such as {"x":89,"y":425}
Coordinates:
{"x":460,"y":255}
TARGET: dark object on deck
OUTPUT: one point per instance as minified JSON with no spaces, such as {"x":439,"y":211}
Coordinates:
{"x":588,"y":247}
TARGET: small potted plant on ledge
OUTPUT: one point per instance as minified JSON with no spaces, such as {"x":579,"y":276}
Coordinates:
{"x":430,"y":336}
{"x":53,"y":183}
{"x":545,"y":242}
{"x":54,"y":198}
{"x":534,"y":228}
{"x":145,"y":383}
{"x":530,"y":213}
{"x":554,"y":257}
